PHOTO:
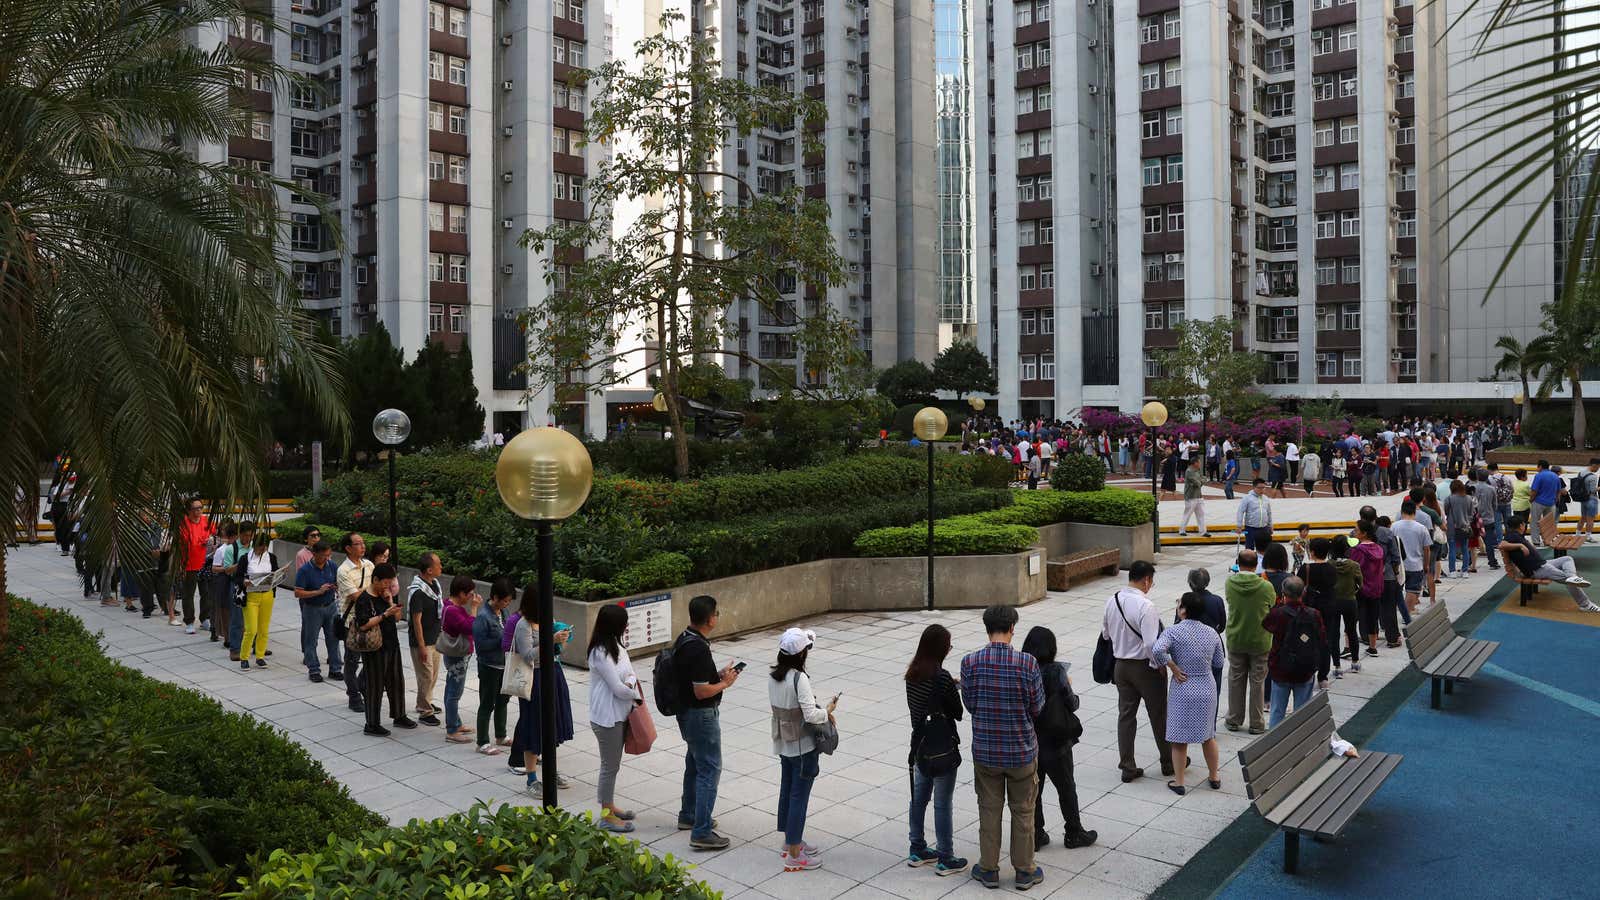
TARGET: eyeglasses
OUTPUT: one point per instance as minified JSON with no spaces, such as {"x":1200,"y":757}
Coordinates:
{"x":195,"y":508}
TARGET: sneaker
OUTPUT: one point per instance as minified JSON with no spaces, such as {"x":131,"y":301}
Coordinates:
{"x":806,"y":847}
{"x":563,"y":784}
{"x":1589,"y":607}
{"x":535,"y":789}
{"x":1578,"y":580}
{"x":429,"y":719}
{"x":522,"y":770}
{"x":801,"y":863}
{"x":1355,"y":667}
{"x":924,"y":857}
{"x":244,"y":664}
{"x":950,"y":866}
{"x":712,"y":841}
{"x":187,"y":629}
{"x":989,"y":878}
{"x":405,"y":723}
{"x":316,"y":678}
{"x":205,"y":624}
{"x":376,"y":731}
{"x":489,"y":750}
{"x":1372,"y":651}
{"x":261,"y":663}
{"x":335,"y":676}
{"x":357,"y":706}
{"x":687,"y":825}
{"x":1072,"y":840}
{"x":1025,"y":880}
{"x":1338,"y":673}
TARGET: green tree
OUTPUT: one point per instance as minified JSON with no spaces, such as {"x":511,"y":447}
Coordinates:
{"x":375,"y":375}
{"x":962,"y":368}
{"x":140,"y":289}
{"x":1516,"y":358}
{"x":907,"y":381}
{"x":445,"y":400}
{"x":1205,"y":365}
{"x":1570,"y":342}
{"x":706,"y":244}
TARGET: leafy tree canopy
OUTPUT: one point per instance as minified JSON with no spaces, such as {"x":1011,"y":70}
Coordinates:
{"x":962,"y":368}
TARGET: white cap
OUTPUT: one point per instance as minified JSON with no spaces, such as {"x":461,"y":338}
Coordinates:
{"x":795,"y":640}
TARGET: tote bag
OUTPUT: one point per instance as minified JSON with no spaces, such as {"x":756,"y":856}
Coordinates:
{"x":519,"y":677}
{"x":639,"y":730}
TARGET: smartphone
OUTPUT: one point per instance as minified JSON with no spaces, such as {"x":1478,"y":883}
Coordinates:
{"x":837,"y":696}
{"x":738,"y":668}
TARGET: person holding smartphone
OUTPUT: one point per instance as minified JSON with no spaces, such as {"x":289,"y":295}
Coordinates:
{"x":529,"y":736}
{"x":794,"y":706}
{"x":375,"y":609}
{"x":700,"y":687}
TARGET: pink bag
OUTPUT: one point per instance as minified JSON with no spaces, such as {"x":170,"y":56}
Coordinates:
{"x":639,"y":733}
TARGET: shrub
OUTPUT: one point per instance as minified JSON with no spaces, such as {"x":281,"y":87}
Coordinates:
{"x":1109,"y":506}
{"x":1550,"y":427}
{"x":510,"y":851}
{"x":950,"y":538}
{"x":1078,"y":472}
{"x":190,"y":747}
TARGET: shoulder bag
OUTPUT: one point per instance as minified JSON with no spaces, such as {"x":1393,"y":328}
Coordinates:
{"x":824,"y":736}
{"x":519,"y":677}
{"x":361,"y":640}
{"x":639,"y":730}
{"x":1104,"y":660}
{"x":1057,"y":723}
{"x":453,"y":644}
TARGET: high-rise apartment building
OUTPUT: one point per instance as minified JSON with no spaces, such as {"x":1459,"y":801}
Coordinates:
{"x":960,"y":71}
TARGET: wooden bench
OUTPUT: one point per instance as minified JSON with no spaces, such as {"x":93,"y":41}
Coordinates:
{"x":1063,"y":570}
{"x":1557,"y":542}
{"x":1527,"y":584}
{"x":1299,"y":787}
{"x":1441,"y":654}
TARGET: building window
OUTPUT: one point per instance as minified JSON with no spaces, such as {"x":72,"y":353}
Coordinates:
{"x":1282,"y":234}
{"x":435,"y":318}
{"x":1175,"y":120}
{"x":1350,"y":177}
{"x":1047,"y":231}
{"x":1322,"y":178}
{"x":458,"y":22}
{"x":1150,"y":77}
{"x":1349,"y":131}
{"x":1030,"y":367}
{"x":1046,"y":187}
{"x":435,"y":65}
{"x":1407,"y":179}
{"x":1155,"y":268}
{"x":1175,"y":217}
{"x":458,"y":120}
{"x":1027,"y":233}
{"x":1174,"y":263}
{"x":435,"y":166}
{"x":435,"y":216}
{"x":1155,"y":317}
{"x":1041,"y":95}
{"x":1350,"y":316}
{"x":458,"y":320}
{"x":1152,"y":219}
{"x":1175,"y":315}
{"x":436,"y":16}
{"x":571,"y":10}
{"x":1025,"y":145}
{"x":1152,"y":171}
{"x":1406,"y":133}
{"x":458,"y":70}
{"x":1406,"y":272}
{"x":1321,"y":41}
{"x":1327,"y":317}
{"x":1322,"y":87}
{"x":458,"y":220}
{"x":1327,"y":365}
{"x":1047,"y":317}
{"x":1277,"y":324}
{"x":1327,"y":271}
{"x":1347,"y":83}
{"x":1172,"y":73}
{"x":1327,"y":225}
{"x":1352,"y":363}
{"x":1027,"y":278}
{"x":1405,"y":317}
{"x":458,"y":269}
{"x":1149,"y":29}
{"x":1047,"y":366}
{"x":1406,"y":86}
{"x":435,"y":116}
{"x":1350,"y":270}
{"x":1028,"y":322}
{"x":1150,"y":124}
{"x":1406,"y":363}
{"x":1283,"y":368}
{"x":1171,"y":26}
{"x":1350,"y":223}
{"x":1175,"y":169}
{"x":435,"y":266}
{"x":458,"y":170}
{"x":1322,"y":133}
{"x":1403,"y":41}
{"x":1025,"y":192}
{"x":1152,"y":368}
{"x":1406,"y":224}
{"x":1347,"y":36}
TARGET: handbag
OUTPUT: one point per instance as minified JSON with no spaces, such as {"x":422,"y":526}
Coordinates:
{"x":453,"y":644}
{"x":825,"y":736}
{"x":639,"y":730}
{"x":1104,"y":662}
{"x":1057,"y":723}
{"x":361,"y":640}
{"x":519,"y":677}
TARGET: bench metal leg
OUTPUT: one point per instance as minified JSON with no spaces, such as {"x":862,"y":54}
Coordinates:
{"x":1449,"y":687}
{"x":1291,"y":852}
{"x":1527,"y":593}
{"x":1436,"y":689}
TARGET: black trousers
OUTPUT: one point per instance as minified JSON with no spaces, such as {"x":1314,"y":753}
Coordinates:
{"x":384,"y":676}
{"x":1057,"y":767}
{"x":1344,"y":612}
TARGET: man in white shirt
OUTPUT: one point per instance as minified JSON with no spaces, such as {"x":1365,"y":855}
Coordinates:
{"x":1255,"y":517}
{"x":1291,"y":455}
{"x":1416,"y":546}
{"x":1130,"y":622}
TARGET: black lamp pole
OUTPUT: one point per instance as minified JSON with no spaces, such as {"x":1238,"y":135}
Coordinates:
{"x":547,"y":663}
{"x":394,"y":523}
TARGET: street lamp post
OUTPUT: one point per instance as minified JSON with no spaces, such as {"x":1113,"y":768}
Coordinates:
{"x":929,"y":426}
{"x":1154,"y":415}
{"x":391,"y":427}
{"x":544,"y":474}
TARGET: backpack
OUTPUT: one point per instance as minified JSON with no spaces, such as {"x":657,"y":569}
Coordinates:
{"x":1300,"y":651}
{"x":1370,"y":558}
{"x":1578,"y":488}
{"x":1057,"y":723}
{"x":669,"y":698}
{"x":1503,"y":489}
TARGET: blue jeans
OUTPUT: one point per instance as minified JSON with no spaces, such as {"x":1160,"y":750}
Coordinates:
{"x":1280,"y":698}
{"x":1257,"y":539}
{"x":316,"y":620}
{"x":1491,"y":540}
{"x":940,"y":790}
{"x":1227,"y":489}
{"x":455,"y":683}
{"x":794,"y":793}
{"x":235,"y":624}
{"x":702,"y":766}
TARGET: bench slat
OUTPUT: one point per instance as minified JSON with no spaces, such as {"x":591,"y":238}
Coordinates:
{"x":1332,"y":794}
{"x":1293,"y":780}
{"x":1441,"y":661}
{"x":1291,"y":801}
{"x":1469,"y":659}
{"x":1261,"y":746}
{"x":1266,"y":772}
{"x":1425,"y":629}
{"x":1333,"y":821}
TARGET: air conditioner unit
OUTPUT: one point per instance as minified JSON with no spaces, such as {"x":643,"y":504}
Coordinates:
{"x":850,"y":199}
{"x":1096,"y":269}
{"x":1173,"y":257}
{"x":850,"y":31}
{"x":1094,"y":89}
{"x":1089,"y":2}
{"x":358,"y":213}
{"x":1286,"y":42}
{"x":357,"y":165}
{"x":359,"y":62}
{"x":507,"y":131}
{"x":1274,"y":88}
{"x":850,"y":167}
{"x":852,"y":65}
{"x":1093,"y":43}
{"x":507,"y":269}
{"x":855,"y":267}
{"x":850,"y":131}
{"x":506,"y":177}
{"x":855,"y":232}
{"x":1394,"y":71}
{"x":372,"y":260}
{"x":331,"y":27}
{"x":506,"y":223}
{"x":1394,"y":27}
{"x":505,"y":40}
{"x":507,"y":85}
{"x":1394,"y":259}
{"x":1094,"y":223}
{"x":851,"y":99}
{"x":359,"y":18}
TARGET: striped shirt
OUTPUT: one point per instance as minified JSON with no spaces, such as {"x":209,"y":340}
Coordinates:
{"x":1004,"y":693}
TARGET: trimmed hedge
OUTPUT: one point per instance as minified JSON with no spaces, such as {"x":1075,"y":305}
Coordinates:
{"x":951,"y":537}
{"x":1078,"y":472}
{"x":220,"y":786}
{"x":511,"y":851}
{"x":1107,"y":506}
{"x":968,"y":534}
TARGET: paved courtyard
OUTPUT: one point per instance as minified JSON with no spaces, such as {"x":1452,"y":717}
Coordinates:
{"x":858,"y":806}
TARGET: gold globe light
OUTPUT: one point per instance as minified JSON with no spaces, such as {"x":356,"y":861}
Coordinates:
{"x":930,"y":423}
{"x":1518,"y":398}
{"x":544,"y":473}
{"x":976,"y":403}
{"x":1154,"y":414}
{"x":659,"y":402}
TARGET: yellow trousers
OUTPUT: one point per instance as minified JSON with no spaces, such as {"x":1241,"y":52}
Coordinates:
{"x":257,"y":616}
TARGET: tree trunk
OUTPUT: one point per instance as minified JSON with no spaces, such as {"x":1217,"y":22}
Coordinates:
{"x":1580,"y":423}
{"x":5,"y":601}
{"x":1527,"y":405}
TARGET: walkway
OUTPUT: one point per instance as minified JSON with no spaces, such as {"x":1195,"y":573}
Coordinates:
{"x":858,"y":806}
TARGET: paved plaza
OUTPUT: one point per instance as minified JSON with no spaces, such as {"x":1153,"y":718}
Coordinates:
{"x":858,"y":806}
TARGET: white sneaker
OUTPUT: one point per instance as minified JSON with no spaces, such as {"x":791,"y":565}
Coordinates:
{"x":1589,"y":607}
{"x":188,"y":629}
{"x":1578,"y":580}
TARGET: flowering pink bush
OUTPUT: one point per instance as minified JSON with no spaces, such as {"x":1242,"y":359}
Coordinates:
{"x":1256,"y":430}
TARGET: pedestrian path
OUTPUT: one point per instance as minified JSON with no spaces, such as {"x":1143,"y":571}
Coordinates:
{"x":858,"y":806}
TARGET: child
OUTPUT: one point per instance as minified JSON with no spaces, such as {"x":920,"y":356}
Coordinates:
{"x":1298,"y":546}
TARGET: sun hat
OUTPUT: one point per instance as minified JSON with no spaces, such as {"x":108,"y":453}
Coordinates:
{"x":795,"y":640}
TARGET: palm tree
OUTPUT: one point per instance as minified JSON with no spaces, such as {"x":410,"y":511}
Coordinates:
{"x":1517,"y":359}
{"x":140,"y":289}
{"x":1571,"y":340}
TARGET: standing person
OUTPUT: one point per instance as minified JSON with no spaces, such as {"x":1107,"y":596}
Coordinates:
{"x":1215,"y":615}
{"x":1055,"y":750}
{"x":1291,"y":456}
{"x":425,"y":610}
{"x":794,"y":706}
{"x":1255,"y":517}
{"x":1275,"y":566}
{"x":1004,"y":691}
{"x":1169,"y":465}
{"x":1277,"y":471}
{"x":353,"y":577}
{"x":1191,"y":649}
{"x":1504,"y":490}
{"x":613,"y":693}
{"x":1322,"y":582}
{"x":195,"y":532}
{"x":315,"y":586}
{"x":1337,"y":469}
{"x":1299,"y":644}
{"x":1300,"y":546}
{"x":1585,"y":491}
{"x":1131,"y":624}
{"x":375,"y":609}
{"x":1047,"y":452}
{"x":1194,"y":505}
{"x":1545,"y":490}
{"x":934,"y":702}
{"x":1458,"y":527}
{"x":1348,"y":580}
{"x":1488,"y":502}
{"x":217,"y":586}
{"x":460,"y":613}
{"x":308,"y":541}
{"x":1034,"y":469}
{"x":487,"y":631}
{"x":1522,"y":500}
{"x":1310,"y":471}
{"x":700,"y":687}
{"x":1417,"y":549}
{"x":527,"y":742}
{"x":1250,"y":597}
{"x":231,"y":594}
{"x":1521,"y":554}
{"x":1213,"y":459}
{"x":258,"y":566}
{"x":1230,"y":473}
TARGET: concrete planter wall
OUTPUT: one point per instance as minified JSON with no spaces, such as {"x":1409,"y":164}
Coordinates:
{"x":1134,"y":542}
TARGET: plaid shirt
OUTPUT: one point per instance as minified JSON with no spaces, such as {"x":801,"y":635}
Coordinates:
{"x":1004,"y":694}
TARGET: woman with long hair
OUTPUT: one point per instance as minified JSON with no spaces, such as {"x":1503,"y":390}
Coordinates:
{"x":935,"y":704}
{"x":795,"y":706}
{"x":1055,"y":756}
{"x":487,"y":630}
{"x":527,"y":741}
{"x":613,"y":692}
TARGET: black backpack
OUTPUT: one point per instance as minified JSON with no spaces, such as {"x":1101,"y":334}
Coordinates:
{"x":1301,"y":650}
{"x":668,"y":690}
{"x":1578,"y":488}
{"x":1057,"y":724}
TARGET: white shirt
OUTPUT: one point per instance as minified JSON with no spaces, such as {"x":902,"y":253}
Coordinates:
{"x":1255,"y":511}
{"x":1140,"y":614}
{"x":611,"y":686}
{"x":1292,"y":454}
{"x":258,"y":566}
{"x":1414,"y":539}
